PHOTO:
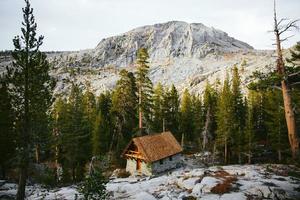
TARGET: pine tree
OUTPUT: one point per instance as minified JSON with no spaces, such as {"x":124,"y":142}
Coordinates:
{"x":124,"y":111}
{"x":186,"y":118}
{"x":238,"y":122}
{"x":57,"y":121}
{"x":209,"y":111}
{"x":198,"y":118}
{"x":6,"y":126}
{"x":249,"y":126}
{"x":171,"y":109}
{"x":224,"y":118}
{"x":102,"y":131}
{"x":158,"y":112}
{"x":145,"y":89}
{"x":275,"y":123}
{"x":98,"y":135}
{"x":76,"y":138}
{"x":89,"y":109}
{"x":89,"y":113}
{"x":31,"y":90}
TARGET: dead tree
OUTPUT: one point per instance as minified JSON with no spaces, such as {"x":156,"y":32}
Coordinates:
{"x":205,"y":132}
{"x":279,"y":29}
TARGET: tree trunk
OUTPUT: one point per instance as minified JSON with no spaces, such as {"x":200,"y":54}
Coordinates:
{"x":239,"y":157}
{"x":225,"y":151}
{"x":140,"y":112}
{"x":182,"y":140}
{"x":3,"y":172}
{"x":249,"y":157}
{"x":206,"y":130}
{"x":279,"y":155}
{"x":37,"y":153}
{"x":73,"y":174}
{"x":249,"y":152}
{"x":25,"y":134}
{"x":214,"y":153}
{"x":290,"y":119}
{"x":287,"y":100}
{"x":22,"y":183}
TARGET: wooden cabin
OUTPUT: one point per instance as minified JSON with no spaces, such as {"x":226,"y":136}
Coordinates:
{"x":152,"y":154}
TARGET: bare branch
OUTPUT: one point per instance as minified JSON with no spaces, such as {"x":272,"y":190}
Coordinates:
{"x":288,"y":26}
{"x":294,"y":74}
{"x":276,"y":87}
{"x":282,"y":20}
{"x":286,"y":38}
{"x":296,"y":83}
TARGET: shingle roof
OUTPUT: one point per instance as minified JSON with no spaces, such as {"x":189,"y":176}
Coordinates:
{"x":156,"y":147}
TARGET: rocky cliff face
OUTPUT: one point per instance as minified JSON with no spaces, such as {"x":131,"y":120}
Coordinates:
{"x":173,"y":39}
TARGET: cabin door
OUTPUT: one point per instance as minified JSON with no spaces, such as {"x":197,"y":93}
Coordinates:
{"x":138,"y":164}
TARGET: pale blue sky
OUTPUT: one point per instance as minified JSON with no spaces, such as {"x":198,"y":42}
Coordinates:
{"x":81,"y":24}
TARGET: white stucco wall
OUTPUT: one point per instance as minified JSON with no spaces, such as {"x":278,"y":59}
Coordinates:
{"x":146,"y":168}
{"x":131,"y":167}
{"x":167,"y":164}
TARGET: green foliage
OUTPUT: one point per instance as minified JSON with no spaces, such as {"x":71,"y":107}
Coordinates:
{"x":93,"y":186}
{"x":171,"y":109}
{"x":239,"y":113}
{"x":158,"y":109}
{"x":47,"y":177}
{"x":144,"y":87}
{"x":72,"y":134}
{"x":210,"y":98}
{"x":6,"y":126}
{"x":225,"y":116}
{"x":275,"y":122}
{"x":124,"y":111}
{"x":198,"y":118}
{"x":249,"y":126}
{"x":186,"y":116}
{"x":31,"y":93}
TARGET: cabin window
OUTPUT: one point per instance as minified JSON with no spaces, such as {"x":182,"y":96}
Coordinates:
{"x":161,"y":162}
{"x":170,"y":158}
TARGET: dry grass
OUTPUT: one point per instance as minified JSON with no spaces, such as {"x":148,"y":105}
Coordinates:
{"x":226,"y":185}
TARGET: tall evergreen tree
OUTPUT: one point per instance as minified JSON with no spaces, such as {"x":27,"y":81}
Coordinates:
{"x":158,"y":111}
{"x":124,"y":110}
{"x":224,"y":119}
{"x":275,"y":123}
{"x":76,"y":138}
{"x":249,"y":126}
{"x":7,"y":143}
{"x":89,"y":108}
{"x":238,"y":122}
{"x":198,"y":118}
{"x":59,"y":116}
{"x":186,"y":117}
{"x":171,"y":109}
{"x":145,"y":89}
{"x":209,"y":113}
{"x":102,"y":131}
{"x":31,"y":88}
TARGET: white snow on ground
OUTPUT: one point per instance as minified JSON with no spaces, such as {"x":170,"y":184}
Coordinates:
{"x":252,"y":182}
{"x":36,"y":192}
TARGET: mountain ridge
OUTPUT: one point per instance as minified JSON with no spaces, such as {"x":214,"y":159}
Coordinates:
{"x":170,"y":39}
